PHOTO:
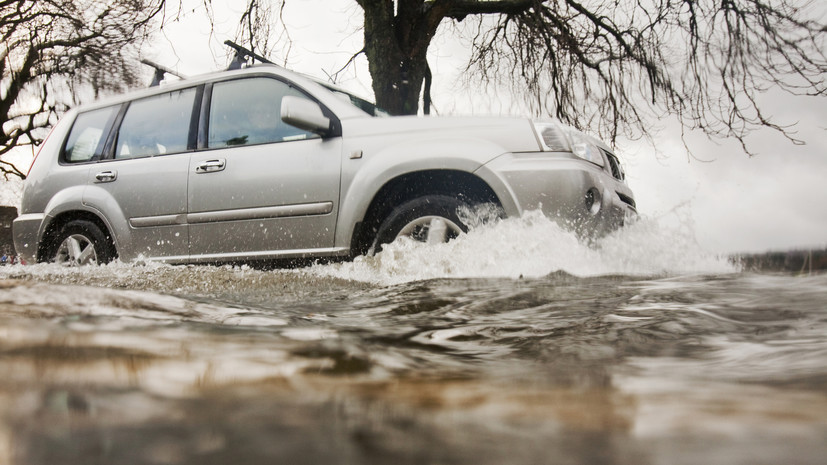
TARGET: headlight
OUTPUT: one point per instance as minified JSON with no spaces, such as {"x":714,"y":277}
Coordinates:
{"x":552,"y":137}
{"x":588,"y":152}
{"x":584,"y":149}
{"x":555,"y":138}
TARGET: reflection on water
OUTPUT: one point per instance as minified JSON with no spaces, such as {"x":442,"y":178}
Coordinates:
{"x":560,"y":369}
{"x":409,"y":357}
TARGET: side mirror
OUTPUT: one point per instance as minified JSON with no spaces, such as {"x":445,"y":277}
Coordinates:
{"x":304,"y":114}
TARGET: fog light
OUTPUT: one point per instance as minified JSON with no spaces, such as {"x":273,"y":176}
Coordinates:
{"x":593,"y":201}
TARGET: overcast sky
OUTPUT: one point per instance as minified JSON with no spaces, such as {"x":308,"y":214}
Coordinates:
{"x":774,"y":200}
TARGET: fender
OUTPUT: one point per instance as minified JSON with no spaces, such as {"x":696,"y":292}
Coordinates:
{"x":101,"y":202}
{"x":508,"y":199}
{"x":72,"y":200}
{"x":362,"y":178}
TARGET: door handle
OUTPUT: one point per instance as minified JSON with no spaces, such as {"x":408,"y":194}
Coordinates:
{"x":106,"y":176}
{"x":211,"y":166}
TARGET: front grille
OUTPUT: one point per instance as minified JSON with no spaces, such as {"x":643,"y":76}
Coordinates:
{"x":614,"y":164}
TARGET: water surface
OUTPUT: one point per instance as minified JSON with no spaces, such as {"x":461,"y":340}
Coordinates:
{"x":515,"y":344}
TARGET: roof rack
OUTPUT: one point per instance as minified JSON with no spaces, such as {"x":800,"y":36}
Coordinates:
{"x":242,"y":54}
{"x":160,"y":71}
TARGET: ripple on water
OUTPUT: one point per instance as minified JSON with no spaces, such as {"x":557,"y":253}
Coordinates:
{"x":596,"y":355}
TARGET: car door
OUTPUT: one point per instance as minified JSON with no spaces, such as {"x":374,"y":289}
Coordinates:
{"x":260,"y":188}
{"x":141,"y":184}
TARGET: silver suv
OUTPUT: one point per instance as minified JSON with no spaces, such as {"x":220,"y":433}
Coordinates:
{"x":264,"y":164}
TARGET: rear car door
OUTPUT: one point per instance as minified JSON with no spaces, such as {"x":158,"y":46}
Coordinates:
{"x":260,"y":188}
{"x":142,"y":180}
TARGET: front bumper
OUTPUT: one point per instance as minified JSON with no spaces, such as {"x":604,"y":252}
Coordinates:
{"x":577,"y":194}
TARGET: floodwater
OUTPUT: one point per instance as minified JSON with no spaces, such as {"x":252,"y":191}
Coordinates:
{"x":514,"y":344}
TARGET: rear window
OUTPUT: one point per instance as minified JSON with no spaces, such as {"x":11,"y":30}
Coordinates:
{"x":156,"y":125}
{"x":88,"y":135}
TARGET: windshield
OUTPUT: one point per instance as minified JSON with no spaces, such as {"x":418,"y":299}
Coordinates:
{"x":358,"y":102}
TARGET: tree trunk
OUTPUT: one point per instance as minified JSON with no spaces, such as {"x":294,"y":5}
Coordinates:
{"x":396,"y":45}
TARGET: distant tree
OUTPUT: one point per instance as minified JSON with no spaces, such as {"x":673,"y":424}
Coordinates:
{"x":50,"y":46}
{"x":609,"y":65}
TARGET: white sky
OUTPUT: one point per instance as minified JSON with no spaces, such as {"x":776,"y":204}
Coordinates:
{"x":775,"y":200}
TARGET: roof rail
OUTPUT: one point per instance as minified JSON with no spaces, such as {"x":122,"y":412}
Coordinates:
{"x":241,"y":55}
{"x":160,"y":71}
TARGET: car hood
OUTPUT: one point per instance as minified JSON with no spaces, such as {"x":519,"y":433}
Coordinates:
{"x":512,"y":134}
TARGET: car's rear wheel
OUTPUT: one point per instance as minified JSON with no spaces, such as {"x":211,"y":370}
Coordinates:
{"x":432,"y":219}
{"x":81,"y":243}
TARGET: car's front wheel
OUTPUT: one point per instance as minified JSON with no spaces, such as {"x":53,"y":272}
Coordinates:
{"x":81,"y":243}
{"x":431,"y":219}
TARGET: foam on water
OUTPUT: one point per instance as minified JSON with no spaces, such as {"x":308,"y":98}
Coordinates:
{"x":534,"y":246}
{"x":531,"y":246}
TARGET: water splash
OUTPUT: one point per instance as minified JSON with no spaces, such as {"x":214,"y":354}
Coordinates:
{"x":531,"y":246}
{"x":535,"y":246}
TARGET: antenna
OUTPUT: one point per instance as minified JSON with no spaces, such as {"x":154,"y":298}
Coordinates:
{"x":160,"y":71}
{"x":241,"y":55}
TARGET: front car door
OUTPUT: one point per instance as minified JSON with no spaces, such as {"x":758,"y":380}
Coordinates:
{"x":260,"y":188}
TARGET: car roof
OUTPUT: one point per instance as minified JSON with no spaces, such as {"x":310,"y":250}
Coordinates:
{"x":340,"y":107}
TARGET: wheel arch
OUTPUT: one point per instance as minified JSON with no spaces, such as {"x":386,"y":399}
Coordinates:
{"x":408,"y":186}
{"x":53,"y":227}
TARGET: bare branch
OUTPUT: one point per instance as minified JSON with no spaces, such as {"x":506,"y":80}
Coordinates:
{"x":589,"y":63}
{"x":334,"y":77}
{"x":52,"y":45}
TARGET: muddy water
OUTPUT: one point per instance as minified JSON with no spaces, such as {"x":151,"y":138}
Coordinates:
{"x":514,"y":344}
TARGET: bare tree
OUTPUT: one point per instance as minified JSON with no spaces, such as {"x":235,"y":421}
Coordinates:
{"x":611,"y":65}
{"x":53,"y":45}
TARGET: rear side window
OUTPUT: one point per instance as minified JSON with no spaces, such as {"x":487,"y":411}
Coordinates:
{"x":88,"y":135}
{"x":156,"y":125}
{"x":248,"y":111}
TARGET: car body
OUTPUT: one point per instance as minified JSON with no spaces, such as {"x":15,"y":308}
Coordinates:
{"x":263,"y":163}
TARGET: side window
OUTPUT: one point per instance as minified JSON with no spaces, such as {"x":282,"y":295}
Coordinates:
{"x":88,"y":135}
{"x":156,"y":125}
{"x":248,"y":111}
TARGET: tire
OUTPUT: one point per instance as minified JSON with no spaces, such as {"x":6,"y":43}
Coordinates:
{"x":81,"y":243}
{"x":430,"y":219}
